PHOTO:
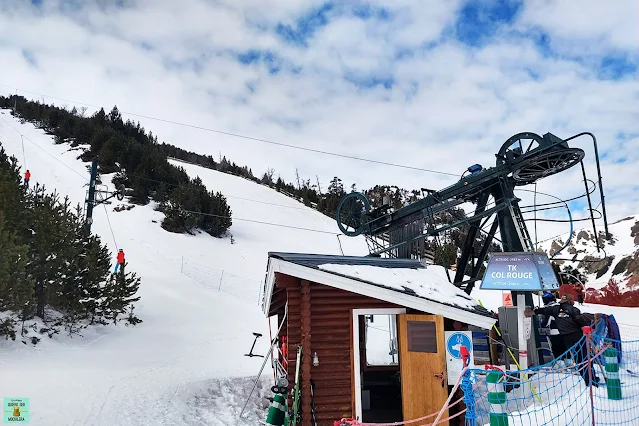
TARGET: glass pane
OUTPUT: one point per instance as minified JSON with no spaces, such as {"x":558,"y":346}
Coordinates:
{"x":422,"y":336}
{"x":381,"y":340}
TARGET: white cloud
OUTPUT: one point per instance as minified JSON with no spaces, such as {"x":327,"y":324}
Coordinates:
{"x":450,"y":106}
{"x":598,"y":24}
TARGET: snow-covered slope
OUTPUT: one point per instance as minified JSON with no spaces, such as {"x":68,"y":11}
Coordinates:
{"x":180,"y":366}
{"x":185,"y":364}
{"x":618,"y":259}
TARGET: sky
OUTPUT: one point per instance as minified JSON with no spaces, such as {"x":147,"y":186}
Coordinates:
{"x":437,"y":85}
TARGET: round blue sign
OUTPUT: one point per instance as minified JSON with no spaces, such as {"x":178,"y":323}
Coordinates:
{"x":456,"y":341}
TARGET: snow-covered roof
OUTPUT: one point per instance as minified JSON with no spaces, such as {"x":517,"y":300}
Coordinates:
{"x":405,"y":282}
{"x":419,"y":281}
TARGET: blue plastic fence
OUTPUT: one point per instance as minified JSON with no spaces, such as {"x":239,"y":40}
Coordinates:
{"x":595,"y":382}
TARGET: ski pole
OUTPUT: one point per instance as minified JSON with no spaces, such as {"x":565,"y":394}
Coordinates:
{"x":256,"y":381}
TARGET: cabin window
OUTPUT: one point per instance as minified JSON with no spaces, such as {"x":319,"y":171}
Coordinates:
{"x":381,"y":340}
{"x":422,"y":336}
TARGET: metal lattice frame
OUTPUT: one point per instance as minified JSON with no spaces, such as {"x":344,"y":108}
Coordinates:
{"x":523,"y":159}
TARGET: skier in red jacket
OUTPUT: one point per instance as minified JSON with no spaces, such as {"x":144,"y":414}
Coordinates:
{"x":27,"y":177}
{"x":120,"y":260}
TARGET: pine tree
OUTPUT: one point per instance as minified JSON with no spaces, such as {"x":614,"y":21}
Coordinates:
{"x":13,"y":194}
{"x":119,"y":295}
{"x":88,"y":261}
{"x":220,"y":219}
{"x":46,"y":242}
{"x":16,"y":287}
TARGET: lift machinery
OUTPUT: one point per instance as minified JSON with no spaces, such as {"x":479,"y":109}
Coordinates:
{"x":522,"y":160}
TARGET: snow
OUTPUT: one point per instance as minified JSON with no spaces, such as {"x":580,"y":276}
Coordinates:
{"x":424,"y":282}
{"x":378,"y":340}
{"x":623,"y":246}
{"x":185,"y":363}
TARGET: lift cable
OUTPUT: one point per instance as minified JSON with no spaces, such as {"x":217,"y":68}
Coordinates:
{"x":237,"y":135}
{"x":47,"y":152}
{"x":110,"y":227}
{"x":225,"y":195}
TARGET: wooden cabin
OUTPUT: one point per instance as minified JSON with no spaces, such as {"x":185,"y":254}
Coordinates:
{"x":372,"y":332}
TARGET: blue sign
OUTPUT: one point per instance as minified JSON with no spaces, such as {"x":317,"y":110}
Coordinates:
{"x":547,"y":275}
{"x":456,"y":341}
{"x":519,"y":272}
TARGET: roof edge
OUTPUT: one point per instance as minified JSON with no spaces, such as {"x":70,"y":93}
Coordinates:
{"x":479,"y":319}
{"x":287,"y":256}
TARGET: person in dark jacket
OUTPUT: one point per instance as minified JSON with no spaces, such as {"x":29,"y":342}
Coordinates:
{"x":569,"y":321}
{"x":556,"y":340}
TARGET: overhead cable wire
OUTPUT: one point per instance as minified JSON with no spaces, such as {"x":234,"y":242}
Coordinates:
{"x":110,"y":227}
{"x":255,"y":139}
{"x":225,"y":195}
{"x":145,"y":178}
{"x":259,"y":221}
{"x":24,"y":156}
{"x":47,"y":152}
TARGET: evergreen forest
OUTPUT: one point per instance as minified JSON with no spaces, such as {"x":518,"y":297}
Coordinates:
{"x":141,"y":164}
{"x":52,"y":267}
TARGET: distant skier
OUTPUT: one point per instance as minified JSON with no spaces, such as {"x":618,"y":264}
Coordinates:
{"x":27,"y":177}
{"x":120,"y":260}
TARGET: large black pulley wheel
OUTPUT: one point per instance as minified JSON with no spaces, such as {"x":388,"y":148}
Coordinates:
{"x":519,"y":145}
{"x":546,"y":164}
{"x":351,"y":214}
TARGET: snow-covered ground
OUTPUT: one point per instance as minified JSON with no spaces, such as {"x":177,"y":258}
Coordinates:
{"x":180,"y":366}
{"x":185,"y":363}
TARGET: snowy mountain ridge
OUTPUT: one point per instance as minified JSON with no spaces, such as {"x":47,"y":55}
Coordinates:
{"x":617,"y":258}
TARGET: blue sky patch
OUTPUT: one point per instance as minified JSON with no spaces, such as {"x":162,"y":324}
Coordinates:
{"x":305,"y":26}
{"x":369,"y":81}
{"x":575,"y":206}
{"x":309,"y":23}
{"x":479,"y":20}
{"x":624,"y":136}
{"x":616,"y":67}
{"x":271,"y":61}
{"x":367,"y":11}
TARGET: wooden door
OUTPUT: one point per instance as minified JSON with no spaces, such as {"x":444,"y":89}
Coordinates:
{"x":422,"y":362}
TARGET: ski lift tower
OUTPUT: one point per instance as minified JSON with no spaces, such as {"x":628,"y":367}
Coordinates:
{"x":96,"y":196}
{"x":523,"y":159}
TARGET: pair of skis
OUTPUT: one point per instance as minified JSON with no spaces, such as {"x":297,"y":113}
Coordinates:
{"x":297,"y":394}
